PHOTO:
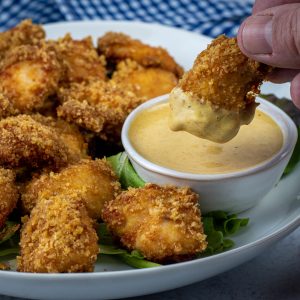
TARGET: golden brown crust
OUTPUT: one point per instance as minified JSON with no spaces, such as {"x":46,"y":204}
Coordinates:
{"x":144,"y":82}
{"x":69,"y":134}
{"x":28,"y":76}
{"x":81,"y":59}
{"x":106,"y":101}
{"x":26,"y":142}
{"x":163,"y":223}
{"x":91,"y":180}
{"x":224,"y":76}
{"x":58,"y":237}
{"x":81,"y":113}
{"x":118,"y":46}
{"x":8,"y":194}
{"x":24,"y":33}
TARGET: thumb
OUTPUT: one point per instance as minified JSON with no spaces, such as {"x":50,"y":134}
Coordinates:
{"x":272,"y":36}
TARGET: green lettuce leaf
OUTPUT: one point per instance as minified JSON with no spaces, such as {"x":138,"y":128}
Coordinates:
{"x":9,"y":241}
{"x":217,"y":225}
{"x":108,"y":247}
{"x":125,"y":171}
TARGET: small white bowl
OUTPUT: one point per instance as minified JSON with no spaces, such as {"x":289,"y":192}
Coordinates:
{"x":232,"y":192}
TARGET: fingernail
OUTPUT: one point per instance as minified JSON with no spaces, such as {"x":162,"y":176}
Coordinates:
{"x":257,"y":35}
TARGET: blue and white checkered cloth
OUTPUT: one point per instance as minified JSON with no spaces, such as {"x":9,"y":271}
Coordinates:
{"x":209,"y":17}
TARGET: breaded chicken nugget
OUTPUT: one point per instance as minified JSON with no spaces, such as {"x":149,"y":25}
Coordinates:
{"x":58,"y":237}
{"x":69,"y":133}
{"x":28,"y":76}
{"x":163,"y":223}
{"x":91,"y":180}
{"x":144,"y":82}
{"x":26,"y":142}
{"x":218,"y":93}
{"x":24,"y":33}
{"x":119,"y":46}
{"x":8,"y":194}
{"x":101,"y":106}
{"x":81,"y":59}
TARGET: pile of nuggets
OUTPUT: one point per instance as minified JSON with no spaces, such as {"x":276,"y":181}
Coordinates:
{"x":55,"y":97}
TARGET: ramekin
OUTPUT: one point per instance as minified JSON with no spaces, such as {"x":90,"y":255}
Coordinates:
{"x":233,"y":191}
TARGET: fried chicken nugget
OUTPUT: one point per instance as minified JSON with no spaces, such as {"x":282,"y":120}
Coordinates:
{"x":59,"y":237}
{"x":24,"y":33}
{"x":217,"y":95}
{"x":28,"y":76}
{"x":26,"y":142}
{"x":69,"y":133}
{"x":99,"y":106}
{"x":81,"y":59}
{"x":163,"y":223}
{"x":91,"y":180}
{"x":8,"y":194}
{"x":144,"y":82}
{"x":119,"y":46}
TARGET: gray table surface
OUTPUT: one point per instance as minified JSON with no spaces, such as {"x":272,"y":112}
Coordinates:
{"x":275,"y":274}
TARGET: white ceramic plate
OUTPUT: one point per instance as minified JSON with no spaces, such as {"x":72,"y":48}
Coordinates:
{"x":275,"y":217}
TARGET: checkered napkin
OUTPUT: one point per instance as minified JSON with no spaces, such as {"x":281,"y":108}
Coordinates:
{"x":209,"y":17}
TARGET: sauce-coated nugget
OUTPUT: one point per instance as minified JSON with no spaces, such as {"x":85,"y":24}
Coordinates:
{"x":98,"y":100}
{"x":26,"y":142}
{"x":163,"y":223}
{"x":144,"y":82}
{"x":58,"y":237}
{"x":223,"y":76}
{"x":81,"y":58}
{"x":217,"y":95}
{"x":24,"y":33}
{"x":91,"y":180}
{"x":118,"y":46}
{"x":8,"y":194}
{"x":28,"y":76}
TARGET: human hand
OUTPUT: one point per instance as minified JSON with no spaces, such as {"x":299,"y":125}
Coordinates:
{"x":272,"y":36}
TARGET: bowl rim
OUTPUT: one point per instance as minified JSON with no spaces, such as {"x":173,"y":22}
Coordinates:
{"x":284,"y":122}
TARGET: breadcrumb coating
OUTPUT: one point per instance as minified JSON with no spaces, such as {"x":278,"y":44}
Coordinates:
{"x":118,"y":46}
{"x":144,"y":82}
{"x":8,"y":194}
{"x":223,"y":76}
{"x":163,"y":223}
{"x":107,"y":103}
{"x":81,"y":58}
{"x":59,"y":237}
{"x":28,"y":76}
{"x":69,"y":134}
{"x":81,"y":113}
{"x":26,"y":142}
{"x":91,"y":180}
{"x":24,"y":33}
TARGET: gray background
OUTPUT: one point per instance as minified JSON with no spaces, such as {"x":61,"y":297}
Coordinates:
{"x":273,"y":275}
